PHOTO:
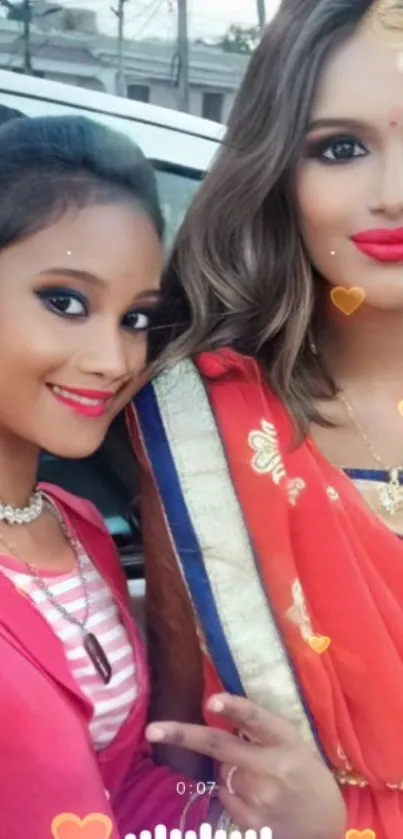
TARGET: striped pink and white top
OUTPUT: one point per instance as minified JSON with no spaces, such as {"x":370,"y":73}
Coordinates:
{"x":112,"y":703}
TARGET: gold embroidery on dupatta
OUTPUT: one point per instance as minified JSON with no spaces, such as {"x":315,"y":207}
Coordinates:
{"x":294,"y":488}
{"x":342,"y":755}
{"x":267,"y":458}
{"x":298,"y":612}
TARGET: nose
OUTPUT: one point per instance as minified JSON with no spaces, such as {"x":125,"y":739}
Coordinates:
{"x":104,"y":352}
{"x":388,"y":196}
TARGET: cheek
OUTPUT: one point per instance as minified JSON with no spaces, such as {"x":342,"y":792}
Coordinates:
{"x":327,"y":208}
{"x":29,"y":348}
{"x":322,"y":202}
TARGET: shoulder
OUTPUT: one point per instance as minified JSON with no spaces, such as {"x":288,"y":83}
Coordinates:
{"x":92,"y":532}
{"x":75,"y":505}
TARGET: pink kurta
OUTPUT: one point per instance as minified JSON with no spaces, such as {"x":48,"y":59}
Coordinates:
{"x":52,"y":782}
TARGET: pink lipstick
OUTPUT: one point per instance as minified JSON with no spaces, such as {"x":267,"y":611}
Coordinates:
{"x":384,"y":245}
{"x":88,"y":403}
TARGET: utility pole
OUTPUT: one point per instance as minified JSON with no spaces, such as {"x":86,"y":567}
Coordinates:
{"x":27,"y":11}
{"x":120,"y":77}
{"x":261,"y":13}
{"x":183,"y":56}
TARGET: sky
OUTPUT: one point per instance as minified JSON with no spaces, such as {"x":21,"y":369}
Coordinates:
{"x":156,"y":18}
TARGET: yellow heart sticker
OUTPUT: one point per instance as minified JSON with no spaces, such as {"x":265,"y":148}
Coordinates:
{"x":70,"y":826}
{"x":319,"y":643}
{"x":360,"y":834}
{"x":347,"y":300}
{"x":400,"y":408}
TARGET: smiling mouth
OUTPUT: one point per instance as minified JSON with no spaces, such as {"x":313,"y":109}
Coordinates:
{"x":92,"y":407}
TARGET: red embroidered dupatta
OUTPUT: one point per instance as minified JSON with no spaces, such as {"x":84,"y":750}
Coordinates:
{"x":333,"y":574}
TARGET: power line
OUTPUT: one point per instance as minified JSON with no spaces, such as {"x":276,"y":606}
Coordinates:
{"x":154,"y":8}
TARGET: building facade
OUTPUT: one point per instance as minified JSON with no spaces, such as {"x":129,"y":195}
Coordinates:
{"x":150,"y":67}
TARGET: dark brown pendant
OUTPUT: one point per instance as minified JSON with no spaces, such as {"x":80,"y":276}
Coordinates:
{"x":97,"y":655}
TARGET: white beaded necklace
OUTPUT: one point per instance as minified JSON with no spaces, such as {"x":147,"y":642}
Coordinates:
{"x":23,"y":515}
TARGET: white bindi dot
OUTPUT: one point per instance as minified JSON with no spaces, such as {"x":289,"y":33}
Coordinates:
{"x":332,"y":253}
{"x":68,"y":253}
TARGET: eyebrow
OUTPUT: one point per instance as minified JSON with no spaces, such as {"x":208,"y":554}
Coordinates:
{"x":76,"y":275}
{"x":337,"y":122}
{"x":154,"y":294}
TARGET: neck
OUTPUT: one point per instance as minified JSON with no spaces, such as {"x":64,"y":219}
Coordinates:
{"x":18,"y":469}
{"x":364,"y":351}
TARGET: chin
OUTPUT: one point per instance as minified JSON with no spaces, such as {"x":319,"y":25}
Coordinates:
{"x":389,"y":301}
{"x":73,"y":449}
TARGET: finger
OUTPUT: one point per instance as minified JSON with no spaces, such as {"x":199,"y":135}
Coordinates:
{"x":211,"y":742}
{"x":244,"y":816}
{"x":254,"y":721}
{"x":255,"y":790}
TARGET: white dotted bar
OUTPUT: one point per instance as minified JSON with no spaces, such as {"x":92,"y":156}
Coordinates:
{"x":204,"y":832}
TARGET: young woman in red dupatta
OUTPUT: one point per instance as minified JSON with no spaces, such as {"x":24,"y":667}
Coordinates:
{"x":272,"y":463}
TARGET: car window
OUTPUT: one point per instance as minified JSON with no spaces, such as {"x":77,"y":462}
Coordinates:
{"x":177,"y":188}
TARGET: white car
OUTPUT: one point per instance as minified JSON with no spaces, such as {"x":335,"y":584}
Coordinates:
{"x":181,"y":148}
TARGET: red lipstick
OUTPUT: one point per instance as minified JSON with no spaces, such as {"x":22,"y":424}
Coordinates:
{"x":383,"y":245}
{"x":88,"y":403}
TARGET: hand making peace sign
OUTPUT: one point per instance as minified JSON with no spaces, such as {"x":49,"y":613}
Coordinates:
{"x":272,"y":779}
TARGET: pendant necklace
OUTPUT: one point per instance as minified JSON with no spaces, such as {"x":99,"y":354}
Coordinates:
{"x":92,"y":646}
{"x":390,"y":494}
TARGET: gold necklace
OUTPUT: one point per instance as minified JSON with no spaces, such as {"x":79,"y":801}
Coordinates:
{"x":390,"y":494}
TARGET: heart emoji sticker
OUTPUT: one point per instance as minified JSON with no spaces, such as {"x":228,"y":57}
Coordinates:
{"x":400,"y":408}
{"x":347,"y":300}
{"x":360,"y":834}
{"x":319,"y":643}
{"x":70,"y":826}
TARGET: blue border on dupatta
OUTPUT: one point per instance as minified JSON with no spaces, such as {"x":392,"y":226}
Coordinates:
{"x":186,"y":542}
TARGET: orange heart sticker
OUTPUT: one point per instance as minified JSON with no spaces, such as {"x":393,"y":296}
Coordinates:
{"x":347,"y":300}
{"x":360,"y":834}
{"x":400,"y":408}
{"x":69,"y":826}
{"x":319,"y":643}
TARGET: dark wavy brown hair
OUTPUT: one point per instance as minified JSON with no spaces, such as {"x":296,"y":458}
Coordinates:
{"x":239,"y":274}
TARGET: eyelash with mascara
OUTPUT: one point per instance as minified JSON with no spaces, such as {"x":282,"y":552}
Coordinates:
{"x":316,"y":149}
{"x":55,"y":300}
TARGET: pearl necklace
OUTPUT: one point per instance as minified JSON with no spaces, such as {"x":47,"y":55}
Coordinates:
{"x":23,"y":515}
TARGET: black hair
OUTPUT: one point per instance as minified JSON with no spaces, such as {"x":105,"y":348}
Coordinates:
{"x":240,"y":274}
{"x":7,"y":113}
{"x":48,"y":164}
